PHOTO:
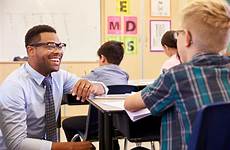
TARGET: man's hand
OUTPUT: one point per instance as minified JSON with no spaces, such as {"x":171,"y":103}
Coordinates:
{"x":85,"y":145}
{"x":83,"y":88}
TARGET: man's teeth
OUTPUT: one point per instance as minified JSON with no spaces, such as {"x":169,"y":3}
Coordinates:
{"x":55,"y":59}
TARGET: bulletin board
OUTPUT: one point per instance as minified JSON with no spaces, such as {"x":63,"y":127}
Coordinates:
{"x":77,"y":23}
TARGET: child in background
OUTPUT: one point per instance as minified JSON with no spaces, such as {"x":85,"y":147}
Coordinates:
{"x":110,"y":56}
{"x":169,"y":44}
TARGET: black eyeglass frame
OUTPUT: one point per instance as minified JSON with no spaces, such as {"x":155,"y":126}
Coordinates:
{"x":50,"y":45}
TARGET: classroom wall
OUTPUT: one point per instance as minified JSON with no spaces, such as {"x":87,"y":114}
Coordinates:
{"x":78,"y":68}
{"x":142,"y":65}
{"x":76,"y":22}
{"x":154,"y":60}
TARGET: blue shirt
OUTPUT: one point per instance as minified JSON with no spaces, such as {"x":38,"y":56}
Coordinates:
{"x":109,"y":74}
{"x":182,"y":91}
{"x":22,"y":107}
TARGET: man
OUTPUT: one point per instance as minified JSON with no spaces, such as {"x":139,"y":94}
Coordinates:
{"x":30,"y":96}
{"x":203,"y":79}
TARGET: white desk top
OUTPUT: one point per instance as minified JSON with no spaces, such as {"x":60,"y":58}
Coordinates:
{"x":141,"y":82}
{"x":108,"y":104}
{"x":116,"y":104}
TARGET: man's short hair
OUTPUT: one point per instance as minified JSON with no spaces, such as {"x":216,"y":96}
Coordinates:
{"x":113,"y":51}
{"x":33,"y":34}
{"x":169,"y":39}
{"x":209,"y":23}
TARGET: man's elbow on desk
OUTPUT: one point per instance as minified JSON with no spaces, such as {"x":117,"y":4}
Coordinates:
{"x":134,"y":102}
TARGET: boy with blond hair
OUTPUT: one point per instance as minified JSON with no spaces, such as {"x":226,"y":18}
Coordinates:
{"x":202,"y":79}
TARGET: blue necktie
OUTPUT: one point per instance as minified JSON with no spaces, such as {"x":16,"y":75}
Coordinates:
{"x":50,"y":121}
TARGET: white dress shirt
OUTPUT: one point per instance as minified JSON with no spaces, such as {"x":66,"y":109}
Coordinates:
{"x":22,"y":107}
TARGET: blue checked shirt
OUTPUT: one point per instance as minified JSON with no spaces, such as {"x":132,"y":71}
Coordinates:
{"x":183,"y":90}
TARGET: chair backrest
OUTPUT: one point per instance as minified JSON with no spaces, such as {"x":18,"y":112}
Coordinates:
{"x":91,"y":132}
{"x":211,"y":128}
{"x":18,"y":58}
{"x":143,"y":130}
{"x":122,"y":89}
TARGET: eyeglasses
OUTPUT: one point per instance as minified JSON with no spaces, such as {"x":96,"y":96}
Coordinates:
{"x":177,"y":32}
{"x":50,"y":45}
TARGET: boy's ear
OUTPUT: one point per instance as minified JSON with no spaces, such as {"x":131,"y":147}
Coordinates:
{"x":103,"y":59}
{"x":188,"y":37}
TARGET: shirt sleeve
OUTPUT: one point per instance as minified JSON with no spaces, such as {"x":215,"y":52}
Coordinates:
{"x":35,"y":144}
{"x":104,"y":86}
{"x":69,"y":81}
{"x":13,"y":120}
{"x":158,"y":95}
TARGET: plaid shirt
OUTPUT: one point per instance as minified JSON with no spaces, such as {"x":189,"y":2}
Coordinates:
{"x":179,"y":93}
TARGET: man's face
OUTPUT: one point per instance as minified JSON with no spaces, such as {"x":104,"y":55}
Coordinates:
{"x":46,"y":57}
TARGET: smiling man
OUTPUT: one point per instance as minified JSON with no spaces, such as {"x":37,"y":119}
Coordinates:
{"x":30,"y":97}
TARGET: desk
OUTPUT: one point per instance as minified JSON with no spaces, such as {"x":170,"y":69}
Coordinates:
{"x":105,"y":125}
{"x":141,"y":83}
{"x":106,"y":118}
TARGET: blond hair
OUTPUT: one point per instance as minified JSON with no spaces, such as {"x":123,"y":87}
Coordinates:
{"x":209,"y":23}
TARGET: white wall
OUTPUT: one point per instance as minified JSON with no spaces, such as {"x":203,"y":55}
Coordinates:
{"x":76,"y":21}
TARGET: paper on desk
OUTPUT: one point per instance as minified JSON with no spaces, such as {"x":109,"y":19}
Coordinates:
{"x":118,"y":104}
{"x":112,"y":96}
{"x":134,"y":116}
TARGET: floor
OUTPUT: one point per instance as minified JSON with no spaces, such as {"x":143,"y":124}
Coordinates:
{"x":121,"y":142}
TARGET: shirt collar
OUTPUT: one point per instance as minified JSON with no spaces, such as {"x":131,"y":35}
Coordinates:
{"x":207,"y":59}
{"x":36,"y":76}
{"x":204,"y":54}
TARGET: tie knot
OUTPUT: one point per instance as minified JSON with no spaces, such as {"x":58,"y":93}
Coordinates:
{"x":47,"y":81}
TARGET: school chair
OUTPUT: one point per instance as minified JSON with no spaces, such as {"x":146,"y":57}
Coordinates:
{"x":122,"y":89}
{"x":211,"y":128}
{"x":135,"y":131}
{"x":18,"y":58}
{"x":144,"y":130}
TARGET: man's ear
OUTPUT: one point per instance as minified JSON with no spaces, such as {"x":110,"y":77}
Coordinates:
{"x":188,"y":39}
{"x":30,"y":50}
